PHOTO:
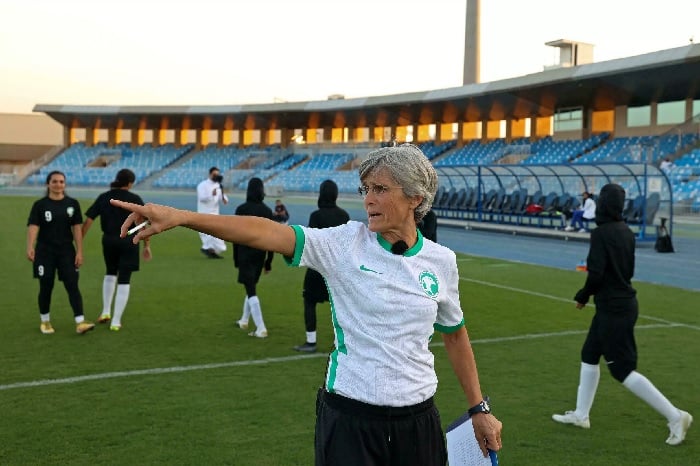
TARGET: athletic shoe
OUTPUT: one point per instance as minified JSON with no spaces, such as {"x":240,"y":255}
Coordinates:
{"x":679,"y":429}
{"x":306,"y":348}
{"x":256,"y":334}
{"x":569,"y":228}
{"x":84,"y":326}
{"x":204,"y":251}
{"x":570,"y":417}
{"x":115,"y":328}
{"x":103,"y":319}
{"x":242,"y":325}
{"x":46,"y":328}
{"x":583,"y":230}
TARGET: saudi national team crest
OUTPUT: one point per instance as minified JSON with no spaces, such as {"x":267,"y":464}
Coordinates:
{"x":429,"y":282}
{"x":70,"y":211}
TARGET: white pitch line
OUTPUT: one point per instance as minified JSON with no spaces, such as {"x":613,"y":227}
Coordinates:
{"x":166,"y":370}
{"x":199,"y":367}
{"x":565,"y":300}
{"x":155,"y":371}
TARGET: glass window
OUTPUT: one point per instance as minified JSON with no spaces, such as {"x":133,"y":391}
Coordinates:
{"x":568,"y":119}
{"x":670,"y":113}
{"x":639,"y":116}
{"x":696,"y":107}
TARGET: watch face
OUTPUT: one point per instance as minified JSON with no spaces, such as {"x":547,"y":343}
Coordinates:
{"x":485,"y":406}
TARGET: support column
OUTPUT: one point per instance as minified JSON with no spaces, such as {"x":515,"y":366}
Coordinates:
{"x":285,"y":134}
{"x":327,"y":133}
{"x":67,"y":132}
{"x":90,"y":136}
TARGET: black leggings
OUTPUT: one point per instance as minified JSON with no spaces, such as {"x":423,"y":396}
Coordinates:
{"x":71,"y":286}
{"x":250,"y":289}
{"x":310,"y":314}
{"x":123,"y":276}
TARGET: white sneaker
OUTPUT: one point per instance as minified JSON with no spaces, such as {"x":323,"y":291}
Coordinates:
{"x":583,"y":230}
{"x":679,"y":429}
{"x":258,"y":334}
{"x":569,"y":228}
{"x":570,"y":417}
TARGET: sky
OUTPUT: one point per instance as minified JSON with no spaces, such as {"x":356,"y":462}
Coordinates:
{"x":229,"y":52}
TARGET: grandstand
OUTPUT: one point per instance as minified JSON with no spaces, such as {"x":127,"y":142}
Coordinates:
{"x":508,"y":143}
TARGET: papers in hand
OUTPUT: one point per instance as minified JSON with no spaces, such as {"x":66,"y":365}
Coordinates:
{"x":462,"y":447}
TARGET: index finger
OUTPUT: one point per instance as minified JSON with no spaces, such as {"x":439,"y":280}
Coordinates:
{"x":136,"y":215}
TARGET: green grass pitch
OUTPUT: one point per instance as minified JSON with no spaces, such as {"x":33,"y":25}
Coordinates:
{"x":180,"y":384}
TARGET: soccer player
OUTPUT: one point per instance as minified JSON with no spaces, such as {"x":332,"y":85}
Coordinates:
{"x":610,"y":266}
{"x":251,"y":261}
{"x":55,"y":246}
{"x":390,"y":290}
{"x":121,"y":256}
{"x":327,"y":215}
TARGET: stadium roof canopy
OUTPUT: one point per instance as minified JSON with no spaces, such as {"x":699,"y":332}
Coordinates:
{"x":667,"y":75}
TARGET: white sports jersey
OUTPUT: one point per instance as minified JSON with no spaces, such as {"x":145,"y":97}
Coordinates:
{"x":384,"y":308}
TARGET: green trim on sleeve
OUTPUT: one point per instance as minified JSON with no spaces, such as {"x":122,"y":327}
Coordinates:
{"x":446,"y":329}
{"x":298,"y":247}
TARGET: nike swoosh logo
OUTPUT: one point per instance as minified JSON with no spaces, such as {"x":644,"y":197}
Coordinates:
{"x":365,"y":269}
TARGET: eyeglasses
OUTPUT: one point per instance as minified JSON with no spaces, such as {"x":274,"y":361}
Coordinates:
{"x":377,"y":189}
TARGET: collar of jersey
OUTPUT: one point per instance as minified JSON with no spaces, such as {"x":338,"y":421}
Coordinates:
{"x":411,"y":252}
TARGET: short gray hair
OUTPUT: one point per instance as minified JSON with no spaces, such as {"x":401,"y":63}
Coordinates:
{"x":410,"y":168}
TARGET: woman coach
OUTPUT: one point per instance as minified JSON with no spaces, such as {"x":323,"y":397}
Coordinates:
{"x":376,"y":406}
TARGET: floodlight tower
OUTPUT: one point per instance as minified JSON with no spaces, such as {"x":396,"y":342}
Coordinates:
{"x":472,"y":46}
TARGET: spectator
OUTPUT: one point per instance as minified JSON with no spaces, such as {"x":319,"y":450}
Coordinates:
{"x":281,"y":215}
{"x":121,"y":256}
{"x":586,"y":211}
{"x":315,"y":291}
{"x":666,"y":165}
{"x":55,"y":246}
{"x":610,"y":265}
{"x":210,"y":193}
{"x":390,"y":291}
{"x":251,"y":261}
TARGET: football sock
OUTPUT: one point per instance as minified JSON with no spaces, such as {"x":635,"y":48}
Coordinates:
{"x":588,"y":384}
{"x":311,"y":337}
{"x":120,"y":303}
{"x":45,"y":317}
{"x":246,"y":311}
{"x":644,"y":389}
{"x":256,"y":313}
{"x":109,"y":284}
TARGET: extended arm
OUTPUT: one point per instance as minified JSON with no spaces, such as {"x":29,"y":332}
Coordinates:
{"x":256,"y":232}
{"x":487,"y":428}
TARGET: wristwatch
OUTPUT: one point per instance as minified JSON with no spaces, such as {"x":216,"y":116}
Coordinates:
{"x":483,"y":407}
